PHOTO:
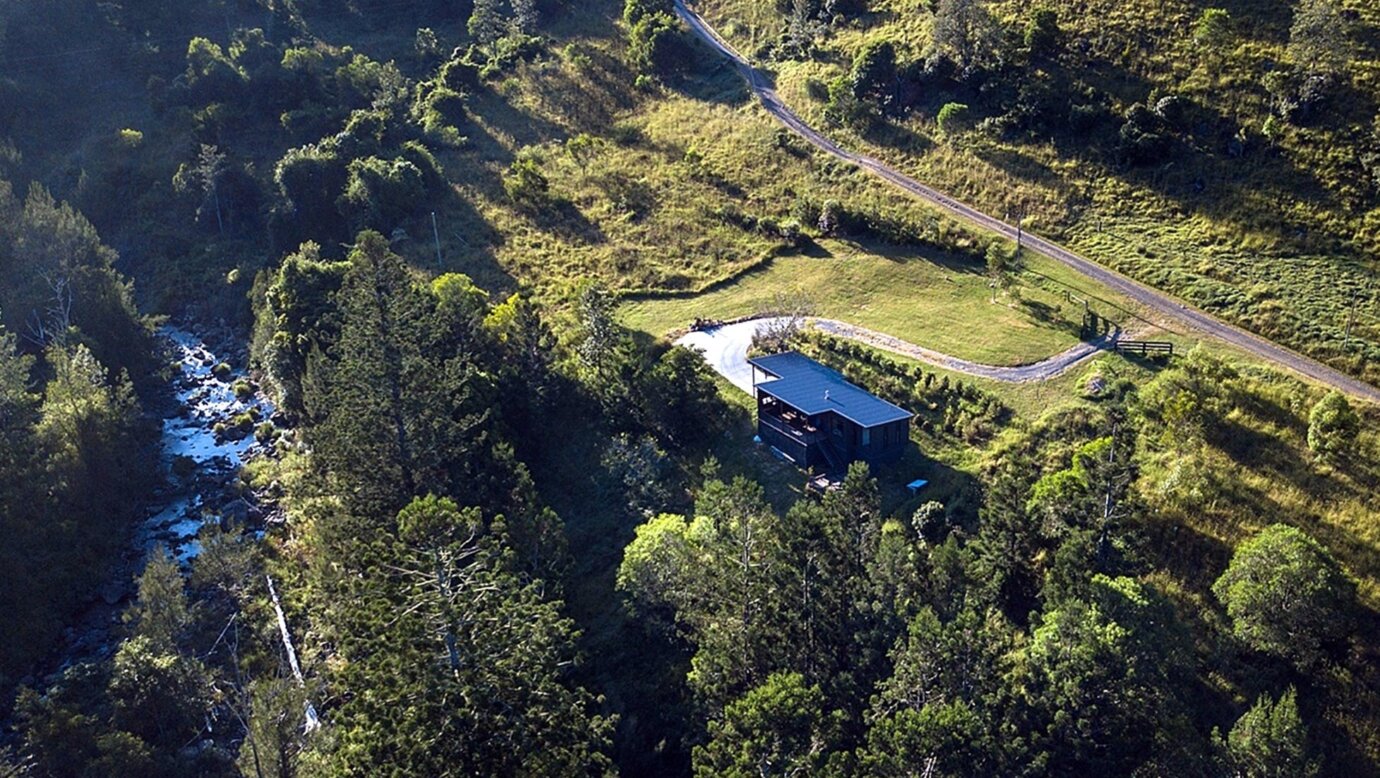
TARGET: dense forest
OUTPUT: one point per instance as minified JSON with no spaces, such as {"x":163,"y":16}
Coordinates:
{"x":496,"y":526}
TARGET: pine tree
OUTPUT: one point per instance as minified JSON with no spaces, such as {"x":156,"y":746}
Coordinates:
{"x":1271,"y":741}
{"x":160,"y":612}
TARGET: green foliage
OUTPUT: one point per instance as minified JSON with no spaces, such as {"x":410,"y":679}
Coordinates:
{"x":525,"y":184}
{"x":384,"y":387}
{"x":1271,"y":741}
{"x":60,"y":282}
{"x":158,"y":694}
{"x":1142,"y":137}
{"x":952,"y":119}
{"x":1103,"y":676}
{"x":273,"y":744}
{"x":310,"y":178}
{"x":382,"y":194}
{"x":1287,"y":596}
{"x":681,"y":399}
{"x":873,"y":74}
{"x":1213,"y":28}
{"x":965,"y":33}
{"x":1319,"y":38}
{"x":927,"y":711}
{"x":459,"y":76}
{"x":161,"y":613}
{"x":757,"y":593}
{"x":845,"y":109}
{"x":635,"y":11}
{"x":480,"y":699}
{"x":297,"y":306}
{"x":656,"y":44}
{"x":440,"y":110}
{"x":211,"y":75}
{"x":639,"y":469}
{"x":1043,"y":38}
{"x":778,"y":727}
{"x":486,"y":23}
{"x":1332,"y":427}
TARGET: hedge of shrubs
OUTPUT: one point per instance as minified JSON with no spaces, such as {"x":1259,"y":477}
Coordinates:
{"x":943,"y":407}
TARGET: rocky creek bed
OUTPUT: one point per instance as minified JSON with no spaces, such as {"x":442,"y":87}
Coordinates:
{"x":214,"y":420}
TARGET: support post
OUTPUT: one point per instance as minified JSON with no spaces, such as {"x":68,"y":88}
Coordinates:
{"x":436,"y":235}
{"x":1350,"y":318}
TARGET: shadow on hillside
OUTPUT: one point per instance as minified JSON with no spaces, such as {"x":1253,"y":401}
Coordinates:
{"x":504,"y":119}
{"x":467,"y":246}
{"x":710,"y":78}
{"x":1189,"y":555}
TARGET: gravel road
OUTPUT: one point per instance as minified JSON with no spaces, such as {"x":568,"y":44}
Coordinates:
{"x":1164,"y":304}
{"x":725,"y":348}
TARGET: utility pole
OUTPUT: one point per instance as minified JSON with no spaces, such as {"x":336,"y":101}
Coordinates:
{"x":436,"y":235}
{"x":1350,"y":318}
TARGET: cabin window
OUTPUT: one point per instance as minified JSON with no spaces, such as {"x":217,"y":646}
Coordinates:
{"x":866,"y":436}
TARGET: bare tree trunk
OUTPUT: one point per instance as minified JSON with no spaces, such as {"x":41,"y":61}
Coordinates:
{"x":313,"y":722}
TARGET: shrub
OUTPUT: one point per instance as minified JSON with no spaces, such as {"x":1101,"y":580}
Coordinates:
{"x":460,"y":76}
{"x":845,"y":109}
{"x":1042,"y":34}
{"x":221,"y":371}
{"x":525,"y":183}
{"x":421,"y":157}
{"x":874,"y":71}
{"x":626,"y":134}
{"x":1332,"y":427}
{"x":243,"y":390}
{"x":953,"y":118}
{"x":1213,"y":28}
{"x":266,"y":433}
{"x":130,"y":139}
{"x":311,"y":178}
{"x":635,"y":11}
{"x":656,"y":45}
{"x":1141,"y":140}
{"x":830,"y":218}
{"x":383,"y":193}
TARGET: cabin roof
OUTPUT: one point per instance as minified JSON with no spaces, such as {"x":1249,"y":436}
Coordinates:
{"x":812,"y":388}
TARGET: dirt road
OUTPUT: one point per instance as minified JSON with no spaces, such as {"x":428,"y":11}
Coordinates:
{"x":1158,"y":301}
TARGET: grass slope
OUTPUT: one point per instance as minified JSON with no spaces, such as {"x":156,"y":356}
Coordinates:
{"x":1280,"y":236}
{"x":932,"y":301}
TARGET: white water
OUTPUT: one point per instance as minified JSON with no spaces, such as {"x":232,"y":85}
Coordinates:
{"x":203,"y":401}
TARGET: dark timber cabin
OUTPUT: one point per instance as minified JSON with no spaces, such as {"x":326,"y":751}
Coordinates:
{"x":816,"y":418}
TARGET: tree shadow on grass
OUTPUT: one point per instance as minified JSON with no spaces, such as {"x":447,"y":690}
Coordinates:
{"x":467,"y":244}
{"x":710,"y":78}
{"x":953,"y":263}
{"x":503,"y":118}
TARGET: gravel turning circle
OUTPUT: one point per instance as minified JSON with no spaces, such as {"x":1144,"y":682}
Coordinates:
{"x":725,"y":348}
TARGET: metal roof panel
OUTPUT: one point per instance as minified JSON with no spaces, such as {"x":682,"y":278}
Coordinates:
{"x":812,"y":388}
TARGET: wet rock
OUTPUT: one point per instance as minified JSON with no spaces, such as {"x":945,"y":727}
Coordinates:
{"x":239,"y":512}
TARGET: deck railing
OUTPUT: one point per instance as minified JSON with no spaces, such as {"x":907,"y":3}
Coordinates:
{"x":785,"y":428}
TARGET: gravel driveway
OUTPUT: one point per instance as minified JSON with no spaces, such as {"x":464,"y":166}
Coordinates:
{"x":725,"y":348}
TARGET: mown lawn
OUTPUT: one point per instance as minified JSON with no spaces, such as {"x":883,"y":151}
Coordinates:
{"x":933,"y":302}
